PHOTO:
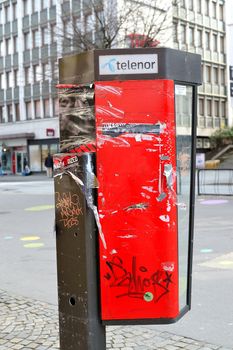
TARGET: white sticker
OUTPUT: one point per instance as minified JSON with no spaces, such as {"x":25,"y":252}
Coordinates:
{"x":128,"y":64}
{"x":180,"y":90}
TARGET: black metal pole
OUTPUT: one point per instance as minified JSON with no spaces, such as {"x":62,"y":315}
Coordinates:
{"x":77,"y":258}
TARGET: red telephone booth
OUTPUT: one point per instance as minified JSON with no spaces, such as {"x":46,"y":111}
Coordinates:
{"x":130,"y":119}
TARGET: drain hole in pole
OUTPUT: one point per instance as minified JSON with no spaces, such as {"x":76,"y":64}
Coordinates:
{"x":72,"y":301}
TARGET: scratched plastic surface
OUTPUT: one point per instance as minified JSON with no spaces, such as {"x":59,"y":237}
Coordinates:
{"x":136,"y":171}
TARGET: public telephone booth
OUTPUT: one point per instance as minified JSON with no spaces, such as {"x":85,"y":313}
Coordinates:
{"x":128,"y":121}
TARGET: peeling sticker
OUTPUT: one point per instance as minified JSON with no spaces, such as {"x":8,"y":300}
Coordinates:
{"x":151,"y":150}
{"x":161,"y":197}
{"x":165,"y":218}
{"x":162,"y":157}
{"x":127,"y":236}
{"x":91,"y":205}
{"x":140,"y":206}
{"x":148,"y":188}
{"x":144,"y":195}
{"x":138,"y":138}
{"x":168,"y":174}
{"x":168,"y":266}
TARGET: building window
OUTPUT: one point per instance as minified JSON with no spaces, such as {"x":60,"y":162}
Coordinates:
{"x":9,"y":82}
{"x":26,"y":41}
{"x":207,"y":7}
{"x":15,"y":44}
{"x":214,"y":9}
{"x":16,"y":77}
{"x":25,"y":8}
{"x":215,"y":42}
{"x":17,"y":112}
{"x":9,"y":114}
{"x":53,"y":33}
{"x":223,"y":109}
{"x":36,"y":73}
{"x":37,"y":109}
{"x":46,"y":108}
{"x":183,"y":34}
{"x":1,"y":115}
{"x":209,"y":107}
{"x":199,"y":38}
{"x":45,"y":71}
{"x":55,"y":107}
{"x":8,"y":46}
{"x":14,"y":10}
{"x":27,"y":75}
{"x":191,"y":5}
{"x":28,"y":108}
{"x":35,"y":38}
{"x":1,"y":48}
{"x":221,"y":12}
{"x":191,"y":36}
{"x":208,"y":74}
{"x":1,"y":81}
{"x":222,"y":76}
{"x":207,"y":40}
{"x":54,"y":70}
{"x":215,"y":75}
{"x":222,"y":44}
{"x":198,"y":6}
{"x":216,"y":108}
{"x":7,"y":13}
{"x":45,"y":36}
{"x":175,"y":32}
{"x":201,"y":106}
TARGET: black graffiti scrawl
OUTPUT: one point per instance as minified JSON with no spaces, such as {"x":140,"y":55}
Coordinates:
{"x":76,"y":116}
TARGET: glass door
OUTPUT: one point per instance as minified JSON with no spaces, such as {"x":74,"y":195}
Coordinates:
{"x":184,"y":120}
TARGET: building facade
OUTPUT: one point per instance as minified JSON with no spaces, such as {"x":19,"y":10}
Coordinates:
{"x":34,"y":33}
{"x":28,"y":102}
{"x":199,"y":27}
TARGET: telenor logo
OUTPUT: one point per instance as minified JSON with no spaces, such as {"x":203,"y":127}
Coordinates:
{"x":128,"y":64}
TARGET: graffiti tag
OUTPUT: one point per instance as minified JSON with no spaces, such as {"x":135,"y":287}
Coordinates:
{"x":69,"y":207}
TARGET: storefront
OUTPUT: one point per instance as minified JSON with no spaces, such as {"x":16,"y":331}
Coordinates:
{"x":38,"y":151}
{"x":16,"y":151}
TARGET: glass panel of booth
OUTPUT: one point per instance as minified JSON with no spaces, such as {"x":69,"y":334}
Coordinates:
{"x":183,"y":106}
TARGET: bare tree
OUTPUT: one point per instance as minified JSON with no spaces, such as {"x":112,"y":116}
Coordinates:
{"x":115,"y":23}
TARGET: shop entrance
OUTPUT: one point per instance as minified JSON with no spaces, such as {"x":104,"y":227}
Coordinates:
{"x":21,"y":159}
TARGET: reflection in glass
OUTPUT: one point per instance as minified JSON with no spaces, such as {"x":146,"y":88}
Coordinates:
{"x":183,"y":103}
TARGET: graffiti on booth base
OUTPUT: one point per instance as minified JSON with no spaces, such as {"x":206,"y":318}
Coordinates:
{"x":69,"y":208}
{"x":138,"y":282}
{"x":77,"y":120}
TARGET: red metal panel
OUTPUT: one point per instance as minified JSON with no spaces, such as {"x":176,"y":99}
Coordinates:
{"x":136,"y":167}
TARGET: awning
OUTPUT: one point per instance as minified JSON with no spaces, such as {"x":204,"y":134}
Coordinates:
{"x":26,"y":135}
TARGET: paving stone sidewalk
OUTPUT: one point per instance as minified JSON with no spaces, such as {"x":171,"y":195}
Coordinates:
{"x":29,"y":324}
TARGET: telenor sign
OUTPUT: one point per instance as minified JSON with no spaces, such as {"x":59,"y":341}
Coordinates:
{"x":128,"y":64}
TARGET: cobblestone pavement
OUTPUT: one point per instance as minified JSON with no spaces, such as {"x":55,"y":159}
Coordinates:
{"x":29,"y":324}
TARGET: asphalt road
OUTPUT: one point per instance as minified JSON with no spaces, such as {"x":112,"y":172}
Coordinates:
{"x":28,"y":257}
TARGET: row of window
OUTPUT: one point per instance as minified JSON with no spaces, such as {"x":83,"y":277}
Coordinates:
{"x":37,"y":37}
{"x":213,"y":74}
{"x":10,"y":11}
{"x":32,"y":74}
{"x":33,"y":110}
{"x":211,"y":107}
{"x":198,"y":37}
{"x":209,"y":8}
